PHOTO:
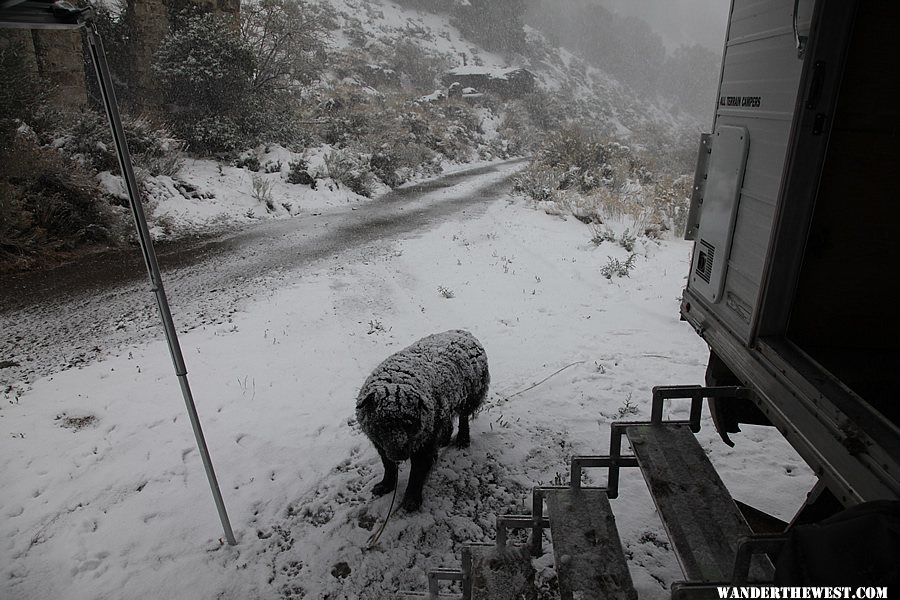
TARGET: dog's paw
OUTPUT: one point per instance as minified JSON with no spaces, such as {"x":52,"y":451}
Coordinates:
{"x":383,"y":487}
{"x":462,"y":441}
{"x":446,"y":437}
{"x":411,"y":503}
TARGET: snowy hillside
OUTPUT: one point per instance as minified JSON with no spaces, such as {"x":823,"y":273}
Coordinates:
{"x":597,"y":98}
{"x":367,"y":45}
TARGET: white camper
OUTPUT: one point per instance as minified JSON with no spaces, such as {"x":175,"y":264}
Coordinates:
{"x":795,"y":218}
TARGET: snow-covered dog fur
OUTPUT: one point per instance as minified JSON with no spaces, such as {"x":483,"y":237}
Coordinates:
{"x":407,"y":404}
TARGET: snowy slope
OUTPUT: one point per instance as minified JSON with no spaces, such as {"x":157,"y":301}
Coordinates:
{"x":601,"y":101}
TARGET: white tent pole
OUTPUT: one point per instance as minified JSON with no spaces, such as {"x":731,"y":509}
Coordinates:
{"x":107,"y":93}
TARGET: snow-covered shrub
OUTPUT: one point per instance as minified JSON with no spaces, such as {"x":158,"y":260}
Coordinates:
{"x":671,"y":201}
{"x":49,"y":205}
{"x":350,"y":169}
{"x":348,"y":114}
{"x":583,"y":162}
{"x":627,"y":239}
{"x":517,"y":128}
{"x":546,"y":111}
{"x":86,"y":136}
{"x":214,"y":134}
{"x":249,"y":162}
{"x":574,"y":147}
{"x":537,"y":182}
{"x":395,"y":164}
{"x":207,"y":70}
{"x":418,"y":67}
{"x":262,"y":192}
{"x":298,"y":173}
{"x":600,"y":235}
{"x":205,"y":65}
{"x":617,"y":268}
{"x":667,"y":151}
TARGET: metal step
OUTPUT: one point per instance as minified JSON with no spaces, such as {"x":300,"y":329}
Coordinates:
{"x":702,"y":520}
{"x":590,"y":562}
{"x":498,"y":573}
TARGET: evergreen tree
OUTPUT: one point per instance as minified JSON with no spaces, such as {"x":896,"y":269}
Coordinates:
{"x":495,"y":25}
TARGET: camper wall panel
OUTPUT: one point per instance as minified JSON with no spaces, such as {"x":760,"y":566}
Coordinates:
{"x":758,"y":18}
{"x":760,"y":82}
{"x":745,"y":267}
{"x":769,"y":140}
{"x":760,"y":78}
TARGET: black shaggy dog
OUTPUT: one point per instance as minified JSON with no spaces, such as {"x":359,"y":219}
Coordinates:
{"x":407,"y":404}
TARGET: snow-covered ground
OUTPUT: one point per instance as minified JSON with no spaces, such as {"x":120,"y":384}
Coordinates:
{"x":105,"y":497}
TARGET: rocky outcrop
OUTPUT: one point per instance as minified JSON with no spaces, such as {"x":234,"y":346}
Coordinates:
{"x":507,"y":83}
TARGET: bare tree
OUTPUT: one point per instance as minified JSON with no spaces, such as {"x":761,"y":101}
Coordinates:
{"x":289,"y":39}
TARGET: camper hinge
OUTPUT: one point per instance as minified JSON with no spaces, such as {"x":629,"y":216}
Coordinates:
{"x":693,"y":219}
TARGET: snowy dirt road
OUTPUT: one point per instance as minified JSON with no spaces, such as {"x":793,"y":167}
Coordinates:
{"x":104,"y":494}
{"x":69,"y":316}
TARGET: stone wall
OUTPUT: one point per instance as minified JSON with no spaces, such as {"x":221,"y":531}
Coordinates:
{"x":148,"y":23}
{"x":55,"y":55}
{"x":60,"y":60}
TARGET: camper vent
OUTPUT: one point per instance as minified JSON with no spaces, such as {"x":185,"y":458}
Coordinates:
{"x":705,"y":260}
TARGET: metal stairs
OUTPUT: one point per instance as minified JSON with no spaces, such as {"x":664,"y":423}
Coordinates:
{"x":710,"y":536}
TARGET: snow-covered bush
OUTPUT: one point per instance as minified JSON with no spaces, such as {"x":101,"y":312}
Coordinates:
{"x":671,"y":200}
{"x":573,"y":159}
{"x":396,"y":163}
{"x":352,"y":170}
{"x":248,"y":161}
{"x":49,"y":205}
{"x":574,"y":147}
{"x":418,"y":67}
{"x":403,"y":136}
{"x":205,"y":65}
{"x":599,"y":235}
{"x":616,"y":268}
{"x":596,"y":180}
{"x":298,"y":173}
{"x":86,"y":136}
{"x":538,"y":183}
{"x":206,"y":70}
{"x":262,"y":192}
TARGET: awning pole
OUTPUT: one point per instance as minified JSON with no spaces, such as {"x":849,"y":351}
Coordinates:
{"x":98,"y":57}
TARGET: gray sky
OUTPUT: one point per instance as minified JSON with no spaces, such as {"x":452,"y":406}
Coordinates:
{"x":680,"y":21}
